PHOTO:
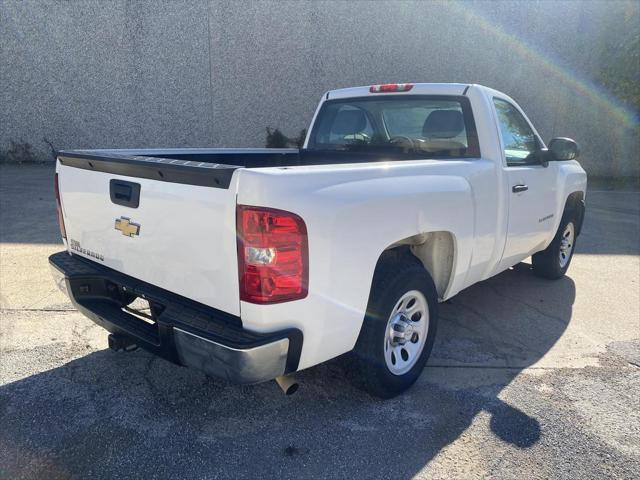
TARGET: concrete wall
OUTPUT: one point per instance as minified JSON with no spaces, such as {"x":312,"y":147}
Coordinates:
{"x":94,"y":73}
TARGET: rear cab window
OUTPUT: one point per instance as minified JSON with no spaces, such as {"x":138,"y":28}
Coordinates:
{"x":420,"y":126}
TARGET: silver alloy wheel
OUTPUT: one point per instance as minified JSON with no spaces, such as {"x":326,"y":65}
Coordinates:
{"x":566,"y":244}
{"x":406,"y":332}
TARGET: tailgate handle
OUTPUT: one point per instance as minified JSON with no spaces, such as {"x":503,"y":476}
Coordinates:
{"x":125,"y":193}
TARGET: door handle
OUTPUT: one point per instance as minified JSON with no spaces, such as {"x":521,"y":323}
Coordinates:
{"x":519,"y":188}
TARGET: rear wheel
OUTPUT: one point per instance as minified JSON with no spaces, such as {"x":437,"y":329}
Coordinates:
{"x":398,"y":330}
{"x":553,"y":262}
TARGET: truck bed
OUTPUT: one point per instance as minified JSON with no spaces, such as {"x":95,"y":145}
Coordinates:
{"x":173,"y":211}
{"x":214,"y":167}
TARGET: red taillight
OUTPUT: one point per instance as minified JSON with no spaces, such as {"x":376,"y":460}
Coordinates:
{"x":273,"y":255}
{"x":391,"y":87}
{"x":63,"y":231}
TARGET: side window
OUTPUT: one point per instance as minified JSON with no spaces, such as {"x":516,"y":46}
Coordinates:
{"x":519,"y":140}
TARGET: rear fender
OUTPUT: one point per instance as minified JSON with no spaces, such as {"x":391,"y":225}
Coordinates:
{"x":353,"y":216}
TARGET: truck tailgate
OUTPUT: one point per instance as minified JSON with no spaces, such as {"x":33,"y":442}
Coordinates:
{"x":180,"y":236}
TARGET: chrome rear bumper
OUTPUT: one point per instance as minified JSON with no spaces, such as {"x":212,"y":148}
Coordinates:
{"x":250,"y":365}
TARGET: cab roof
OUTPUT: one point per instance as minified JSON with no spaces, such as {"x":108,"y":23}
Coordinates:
{"x":416,"y":89}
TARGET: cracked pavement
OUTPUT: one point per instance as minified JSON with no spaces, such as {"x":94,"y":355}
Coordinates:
{"x":528,"y":379}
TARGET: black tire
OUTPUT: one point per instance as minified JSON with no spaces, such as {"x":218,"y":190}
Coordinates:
{"x":547,"y":263}
{"x":391,"y":281}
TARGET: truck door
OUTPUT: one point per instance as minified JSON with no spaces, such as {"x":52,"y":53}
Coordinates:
{"x":531,"y":187}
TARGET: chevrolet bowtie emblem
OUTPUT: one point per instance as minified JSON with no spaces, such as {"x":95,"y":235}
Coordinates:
{"x":127,"y":227}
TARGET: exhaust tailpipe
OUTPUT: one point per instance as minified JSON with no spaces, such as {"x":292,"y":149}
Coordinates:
{"x":288,"y":384}
{"x":119,"y":343}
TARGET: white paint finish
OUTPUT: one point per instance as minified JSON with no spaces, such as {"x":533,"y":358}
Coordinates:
{"x":187,"y":240}
{"x":353,"y":212}
{"x":417,"y":89}
{"x":531,"y":213}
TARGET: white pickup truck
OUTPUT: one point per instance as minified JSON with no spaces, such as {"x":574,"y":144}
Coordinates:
{"x":252,"y":264}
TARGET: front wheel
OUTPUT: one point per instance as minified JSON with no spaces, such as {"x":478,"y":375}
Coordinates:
{"x":553,"y":262}
{"x":398,"y":330}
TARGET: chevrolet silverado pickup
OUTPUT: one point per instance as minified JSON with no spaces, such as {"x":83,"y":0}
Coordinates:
{"x":252,"y":264}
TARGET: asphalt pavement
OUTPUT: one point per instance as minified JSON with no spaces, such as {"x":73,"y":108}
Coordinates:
{"x":529,"y":378}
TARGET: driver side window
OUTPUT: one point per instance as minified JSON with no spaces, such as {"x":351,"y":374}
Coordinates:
{"x":519,"y":140}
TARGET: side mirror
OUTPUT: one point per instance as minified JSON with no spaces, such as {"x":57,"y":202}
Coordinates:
{"x":561,"y":148}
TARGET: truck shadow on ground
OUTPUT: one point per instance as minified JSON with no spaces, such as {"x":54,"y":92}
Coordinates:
{"x":107,"y":415}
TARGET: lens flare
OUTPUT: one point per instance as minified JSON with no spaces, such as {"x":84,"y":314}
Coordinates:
{"x":599,"y":96}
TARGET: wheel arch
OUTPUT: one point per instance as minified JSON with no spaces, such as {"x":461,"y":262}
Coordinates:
{"x":574,"y":205}
{"x":435,"y":251}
